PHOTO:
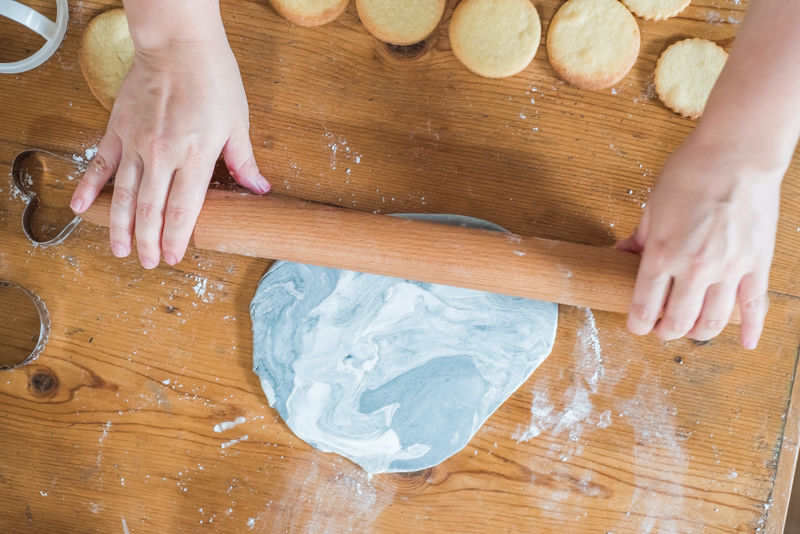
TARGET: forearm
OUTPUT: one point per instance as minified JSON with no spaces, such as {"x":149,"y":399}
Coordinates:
{"x":158,"y":24}
{"x":754,"y":108}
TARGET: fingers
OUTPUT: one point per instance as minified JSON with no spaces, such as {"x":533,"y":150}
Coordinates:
{"x":183,"y":206}
{"x":123,"y":204}
{"x":100,"y":170}
{"x":238,"y":154}
{"x":150,"y":203}
{"x":683,"y":308}
{"x":717,"y":309}
{"x":649,"y":296}
{"x":752,"y":301}
{"x":635,"y":243}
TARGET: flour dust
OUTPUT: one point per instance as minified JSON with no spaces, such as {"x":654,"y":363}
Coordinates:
{"x":577,"y":408}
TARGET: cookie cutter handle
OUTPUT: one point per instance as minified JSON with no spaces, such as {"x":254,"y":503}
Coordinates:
{"x":53,"y":32}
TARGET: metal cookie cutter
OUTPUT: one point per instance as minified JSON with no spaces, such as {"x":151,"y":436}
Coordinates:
{"x":30,"y":198}
{"x":44,"y":323}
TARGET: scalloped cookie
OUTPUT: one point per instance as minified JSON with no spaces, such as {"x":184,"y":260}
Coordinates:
{"x":310,"y":12}
{"x":592,"y":44}
{"x":400,"y":22}
{"x":656,"y":9}
{"x":495,"y":38}
{"x":106,"y":55}
{"x":685,"y":74}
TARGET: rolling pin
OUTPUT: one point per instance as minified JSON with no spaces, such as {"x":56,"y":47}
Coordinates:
{"x":283,"y":228}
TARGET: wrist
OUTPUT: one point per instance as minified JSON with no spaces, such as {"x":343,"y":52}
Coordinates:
{"x":162,"y":24}
{"x":743,"y":150}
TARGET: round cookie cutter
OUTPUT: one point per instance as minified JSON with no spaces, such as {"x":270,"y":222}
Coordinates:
{"x":44,"y":323}
{"x":53,"y":32}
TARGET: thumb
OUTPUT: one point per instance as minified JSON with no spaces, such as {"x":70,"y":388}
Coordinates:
{"x":238,"y":154}
{"x":635,"y":243}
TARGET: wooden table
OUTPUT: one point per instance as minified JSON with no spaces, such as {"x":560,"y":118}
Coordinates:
{"x":634,"y":435}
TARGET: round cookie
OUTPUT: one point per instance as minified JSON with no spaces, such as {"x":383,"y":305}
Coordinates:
{"x":656,"y":9}
{"x":592,"y":44}
{"x":400,"y":22}
{"x":310,"y":12}
{"x":685,"y":74}
{"x":495,"y":38}
{"x":106,"y":55}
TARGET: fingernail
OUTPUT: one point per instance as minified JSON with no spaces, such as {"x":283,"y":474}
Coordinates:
{"x":148,"y":264}
{"x":119,"y":250}
{"x":170,"y":259}
{"x":263,"y":184}
{"x":76,"y":204}
{"x":750,"y":344}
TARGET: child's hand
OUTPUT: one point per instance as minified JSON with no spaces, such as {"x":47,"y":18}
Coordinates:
{"x":706,"y":237}
{"x":708,"y":233}
{"x":181,"y":103}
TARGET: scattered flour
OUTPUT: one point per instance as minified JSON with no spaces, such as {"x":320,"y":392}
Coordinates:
{"x":317,"y":504}
{"x":227,"y":425}
{"x":233,"y":442}
{"x":577,"y":405}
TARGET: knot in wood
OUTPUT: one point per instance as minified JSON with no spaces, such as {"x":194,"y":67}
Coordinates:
{"x":409,"y":52}
{"x":42,"y":382}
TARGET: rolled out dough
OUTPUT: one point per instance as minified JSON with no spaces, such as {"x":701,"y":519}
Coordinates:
{"x":395,"y":375}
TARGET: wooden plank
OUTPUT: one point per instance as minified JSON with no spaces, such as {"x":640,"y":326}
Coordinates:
{"x":669,"y":437}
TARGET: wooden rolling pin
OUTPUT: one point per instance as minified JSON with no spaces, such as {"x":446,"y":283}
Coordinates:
{"x":283,"y":228}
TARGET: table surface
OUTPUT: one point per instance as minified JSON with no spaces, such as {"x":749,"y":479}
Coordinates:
{"x":632,"y":434}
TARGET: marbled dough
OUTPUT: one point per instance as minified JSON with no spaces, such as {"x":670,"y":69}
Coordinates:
{"x":395,"y":375}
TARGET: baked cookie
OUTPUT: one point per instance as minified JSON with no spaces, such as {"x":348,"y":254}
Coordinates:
{"x":685,"y":74}
{"x":592,"y":44}
{"x":310,"y":12}
{"x":656,"y":9}
{"x":495,"y":38}
{"x":106,"y":55}
{"x":400,"y":22}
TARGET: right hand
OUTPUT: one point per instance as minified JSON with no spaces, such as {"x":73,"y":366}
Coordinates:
{"x":181,"y":103}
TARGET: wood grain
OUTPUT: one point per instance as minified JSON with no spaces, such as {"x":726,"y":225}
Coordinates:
{"x":112,"y":427}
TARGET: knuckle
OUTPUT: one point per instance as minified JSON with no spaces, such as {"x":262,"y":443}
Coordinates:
{"x":753,"y":304}
{"x":102,"y":166}
{"x":248,"y":166}
{"x":123,"y":197}
{"x":146,"y":212}
{"x":677,"y":324}
{"x":179,"y":216}
{"x":714,"y":325}
{"x":644,"y":313}
{"x":158,"y":147}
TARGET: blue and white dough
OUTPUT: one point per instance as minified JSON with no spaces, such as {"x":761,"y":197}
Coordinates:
{"x":395,"y":375}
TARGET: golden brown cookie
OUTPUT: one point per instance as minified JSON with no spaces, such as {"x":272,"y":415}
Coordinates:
{"x":310,"y":12}
{"x":656,"y":9}
{"x":106,"y":55}
{"x":592,"y":44}
{"x":495,"y":38}
{"x":685,"y":74}
{"x":400,"y":22}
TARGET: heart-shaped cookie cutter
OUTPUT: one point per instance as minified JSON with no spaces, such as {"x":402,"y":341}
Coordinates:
{"x":30,"y":197}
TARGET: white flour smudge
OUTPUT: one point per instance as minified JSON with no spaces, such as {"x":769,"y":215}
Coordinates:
{"x":125,"y":527}
{"x":233,"y":442}
{"x":578,"y":407}
{"x":227,"y":425}
{"x":660,"y":464}
{"x":317,"y":504}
